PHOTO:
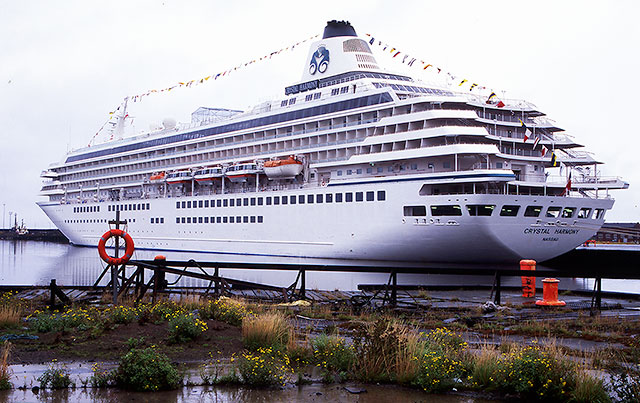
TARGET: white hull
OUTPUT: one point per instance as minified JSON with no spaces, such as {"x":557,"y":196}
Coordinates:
{"x":371,"y":230}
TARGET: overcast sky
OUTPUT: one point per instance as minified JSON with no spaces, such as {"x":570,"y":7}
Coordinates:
{"x":66,"y":64}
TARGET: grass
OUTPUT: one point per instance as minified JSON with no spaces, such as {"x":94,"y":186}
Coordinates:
{"x":486,"y":363}
{"x":5,"y":370}
{"x":10,"y":316}
{"x":266,"y":330}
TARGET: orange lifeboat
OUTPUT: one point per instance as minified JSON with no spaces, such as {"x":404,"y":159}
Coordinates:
{"x":283,"y":169}
{"x":157,"y":177}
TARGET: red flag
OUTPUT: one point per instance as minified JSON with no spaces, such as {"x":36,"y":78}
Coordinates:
{"x":567,"y":188}
{"x":544,"y":150}
{"x":500,"y":104}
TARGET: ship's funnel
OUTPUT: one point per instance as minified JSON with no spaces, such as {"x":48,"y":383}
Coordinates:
{"x":338,"y":28}
{"x":339,"y":51}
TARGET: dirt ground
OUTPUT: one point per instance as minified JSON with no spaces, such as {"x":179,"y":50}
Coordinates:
{"x":113,"y":343}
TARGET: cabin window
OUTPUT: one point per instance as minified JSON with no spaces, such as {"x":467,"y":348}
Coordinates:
{"x":232,"y":220}
{"x":301,"y":199}
{"x":598,"y":214}
{"x":206,"y":220}
{"x":225,"y":220}
{"x":253,"y":219}
{"x":238,"y":202}
{"x":188,"y":220}
{"x":339,"y":173}
{"x":276,"y":200}
{"x":259,"y":201}
{"x":480,"y":209}
{"x":329,"y":198}
{"x":369,"y":170}
{"x":348,"y":197}
{"x":200,"y":202}
{"x":253,"y":201}
{"x":189,"y":204}
{"x":177,"y":220}
{"x":359,"y":196}
{"x":380,"y":170}
{"x":584,"y":212}
{"x":370,"y":196}
{"x":285,"y":199}
{"x":568,"y":212}
{"x":509,"y":211}
{"x":268,"y":200}
{"x":382,"y":195}
{"x":446,"y":210}
{"x":259,"y":219}
{"x":533,"y":211}
{"x":232,"y":202}
{"x":338,"y":197}
{"x":319,"y":198}
{"x":225,"y":202}
{"x":553,"y":212}
{"x":199,"y":220}
{"x":359,"y":171}
{"x":415,"y":211}
{"x":218,"y":203}
{"x":218,"y":220}
{"x":245,"y":219}
{"x":293,"y":199}
{"x":206,"y":203}
{"x":309,"y":199}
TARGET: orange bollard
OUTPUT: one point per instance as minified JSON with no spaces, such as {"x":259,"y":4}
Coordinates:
{"x":550,"y":293}
{"x":528,"y":283}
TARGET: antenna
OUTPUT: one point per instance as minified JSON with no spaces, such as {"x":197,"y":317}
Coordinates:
{"x":119,"y":129}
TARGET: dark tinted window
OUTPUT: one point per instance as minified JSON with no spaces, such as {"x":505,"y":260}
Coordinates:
{"x":412,"y":211}
{"x":509,"y":211}
{"x":533,"y":211}
{"x":480,"y":209}
{"x":446,"y":210}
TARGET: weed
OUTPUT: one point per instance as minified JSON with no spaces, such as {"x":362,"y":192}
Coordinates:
{"x":264,"y":367}
{"x":334,"y":356}
{"x":226,"y":310}
{"x":56,"y":376}
{"x":589,"y":389}
{"x":266,"y":330}
{"x":5,"y":370}
{"x":101,"y":378}
{"x":147,"y":370}
{"x":485,"y":366}
{"x":184,"y":327}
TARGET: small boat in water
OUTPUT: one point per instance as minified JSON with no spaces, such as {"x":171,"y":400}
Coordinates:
{"x":283,"y":169}
{"x":240,"y":172}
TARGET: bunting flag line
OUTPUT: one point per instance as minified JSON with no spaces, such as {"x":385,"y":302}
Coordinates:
{"x":544,"y":151}
{"x":216,"y":76}
{"x":394,"y":52}
{"x":535,"y":142}
{"x":554,"y":161}
{"x":493,"y":95}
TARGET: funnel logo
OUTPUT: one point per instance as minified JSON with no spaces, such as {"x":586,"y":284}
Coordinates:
{"x":319,"y":61}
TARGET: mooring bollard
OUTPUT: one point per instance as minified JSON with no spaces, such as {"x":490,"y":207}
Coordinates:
{"x":550,"y":293}
{"x":528,"y":283}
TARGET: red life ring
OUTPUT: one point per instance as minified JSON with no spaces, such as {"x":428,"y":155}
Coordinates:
{"x":102,"y":250}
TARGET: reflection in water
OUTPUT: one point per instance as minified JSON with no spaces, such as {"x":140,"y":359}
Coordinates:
{"x":305,"y":393}
{"x":36,"y":263}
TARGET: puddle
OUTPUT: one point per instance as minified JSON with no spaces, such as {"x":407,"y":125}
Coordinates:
{"x":305,"y":393}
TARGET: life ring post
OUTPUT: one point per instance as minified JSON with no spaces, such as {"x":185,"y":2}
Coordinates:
{"x":115,"y":261}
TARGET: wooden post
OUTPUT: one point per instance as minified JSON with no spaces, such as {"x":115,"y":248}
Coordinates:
{"x":394,"y":286}
{"x":303,"y":284}
{"x":497,"y":284}
{"x":114,"y":268}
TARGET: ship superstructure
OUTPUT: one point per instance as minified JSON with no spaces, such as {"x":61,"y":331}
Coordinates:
{"x":351,"y":162}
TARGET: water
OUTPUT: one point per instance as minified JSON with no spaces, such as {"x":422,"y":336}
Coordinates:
{"x":36,"y":263}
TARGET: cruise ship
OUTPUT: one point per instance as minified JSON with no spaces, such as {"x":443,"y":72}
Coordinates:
{"x":351,"y":162}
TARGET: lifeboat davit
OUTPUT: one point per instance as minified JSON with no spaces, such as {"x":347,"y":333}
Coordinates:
{"x":184,"y":176}
{"x":157,"y":177}
{"x":283,"y":169}
{"x":241,"y":172}
{"x":208,"y":174}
